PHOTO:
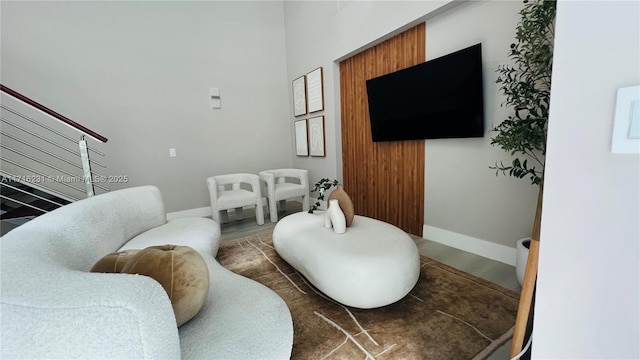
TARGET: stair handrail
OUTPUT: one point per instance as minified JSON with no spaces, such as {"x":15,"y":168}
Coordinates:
{"x":52,"y":113}
{"x":40,"y":124}
{"x":88,"y":175}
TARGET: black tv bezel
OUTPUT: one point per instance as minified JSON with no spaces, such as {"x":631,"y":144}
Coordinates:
{"x":473,"y":120}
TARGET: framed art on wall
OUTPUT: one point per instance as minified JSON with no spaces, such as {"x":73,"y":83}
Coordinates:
{"x":299,"y":96}
{"x":302,"y":145}
{"x":316,"y":136}
{"x":315,"y":94}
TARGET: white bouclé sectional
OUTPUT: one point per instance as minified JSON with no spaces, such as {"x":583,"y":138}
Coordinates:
{"x":53,"y":307}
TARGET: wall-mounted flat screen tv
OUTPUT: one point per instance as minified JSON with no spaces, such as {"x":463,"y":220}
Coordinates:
{"x":440,"y":98}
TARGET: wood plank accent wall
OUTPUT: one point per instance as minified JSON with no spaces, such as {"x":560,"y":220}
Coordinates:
{"x":385,"y":180}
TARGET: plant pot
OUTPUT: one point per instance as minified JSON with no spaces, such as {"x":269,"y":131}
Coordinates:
{"x":522,"y":252}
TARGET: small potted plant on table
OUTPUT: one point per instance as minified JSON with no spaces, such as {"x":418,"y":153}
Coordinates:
{"x":321,"y":187}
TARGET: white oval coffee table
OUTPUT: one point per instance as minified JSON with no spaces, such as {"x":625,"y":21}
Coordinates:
{"x":372,"y":264}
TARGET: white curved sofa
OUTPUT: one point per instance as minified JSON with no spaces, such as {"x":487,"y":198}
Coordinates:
{"x":53,"y":307}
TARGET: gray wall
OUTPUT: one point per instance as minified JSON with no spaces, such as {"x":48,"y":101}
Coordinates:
{"x":588,"y":288}
{"x":321,"y":33}
{"x":139,"y":73}
{"x":462,"y":194}
{"x":463,"y":197}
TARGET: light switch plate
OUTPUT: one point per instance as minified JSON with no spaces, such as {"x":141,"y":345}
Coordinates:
{"x":216,"y":102}
{"x":626,"y":126}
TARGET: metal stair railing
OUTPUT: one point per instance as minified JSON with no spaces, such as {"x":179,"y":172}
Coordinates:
{"x":37,"y":164}
{"x":29,"y":194}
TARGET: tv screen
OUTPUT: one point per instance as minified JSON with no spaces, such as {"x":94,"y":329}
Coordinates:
{"x":440,"y":98}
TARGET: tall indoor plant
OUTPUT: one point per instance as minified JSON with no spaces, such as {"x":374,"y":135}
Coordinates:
{"x":526,"y":85}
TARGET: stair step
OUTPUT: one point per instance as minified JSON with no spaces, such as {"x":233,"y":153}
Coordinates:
{"x":20,"y":212}
{"x":25,"y":211}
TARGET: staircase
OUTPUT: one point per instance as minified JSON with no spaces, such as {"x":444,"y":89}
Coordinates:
{"x":46,"y":160}
{"x":21,"y":203}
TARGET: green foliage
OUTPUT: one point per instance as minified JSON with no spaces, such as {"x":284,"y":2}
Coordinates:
{"x":321,"y":187}
{"x":527,"y":87}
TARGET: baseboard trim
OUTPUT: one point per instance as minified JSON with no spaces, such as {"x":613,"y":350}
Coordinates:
{"x":197,"y":212}
{"x":484,"y":248}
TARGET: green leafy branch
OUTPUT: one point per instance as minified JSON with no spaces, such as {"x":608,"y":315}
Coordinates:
{"x":321,"y":187}
{"x":526,"y":86}
{"x":519,"y":170}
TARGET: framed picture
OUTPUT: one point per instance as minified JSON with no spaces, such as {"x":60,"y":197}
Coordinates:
{"x":299,"y":96}
{"x":302,"y":145}
{"x":316,"y":136}
{"x":315,"y":94}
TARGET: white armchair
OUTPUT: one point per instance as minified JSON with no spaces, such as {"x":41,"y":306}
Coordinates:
{"x":226,"y":192}
{"x":283,"y":184}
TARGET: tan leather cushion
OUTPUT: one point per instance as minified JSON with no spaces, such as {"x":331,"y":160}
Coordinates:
{"x":114,"y":262}
{"x":180,"y":270}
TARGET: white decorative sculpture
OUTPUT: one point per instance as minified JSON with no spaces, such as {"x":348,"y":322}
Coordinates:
{"x":335,"y":217}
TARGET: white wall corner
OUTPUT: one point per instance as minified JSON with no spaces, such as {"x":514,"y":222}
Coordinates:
{"x":484,"y":248}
